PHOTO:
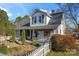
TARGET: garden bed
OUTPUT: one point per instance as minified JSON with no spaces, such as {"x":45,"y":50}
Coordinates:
{"x":15,"y":49}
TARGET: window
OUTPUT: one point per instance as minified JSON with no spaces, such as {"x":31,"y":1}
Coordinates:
{"x":34,"y":19}
{"x":36,"y":33}
{"x":42,"y":18}
{"x":39,"y":19}
{"x":28,"y":33}
{"x":60,"y":31}
{"x":20,"y":32}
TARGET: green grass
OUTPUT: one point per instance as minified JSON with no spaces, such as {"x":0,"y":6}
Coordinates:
{"x":3,"y":50}
{"x":63,"y":54}
{"x":6,"y":50}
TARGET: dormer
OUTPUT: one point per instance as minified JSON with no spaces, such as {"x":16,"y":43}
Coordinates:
{"x":39,"y":18}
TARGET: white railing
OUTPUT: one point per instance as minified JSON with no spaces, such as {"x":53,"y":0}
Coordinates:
{"x":41,"y":51}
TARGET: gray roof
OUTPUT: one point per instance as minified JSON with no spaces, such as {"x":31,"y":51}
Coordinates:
{"x":39,"y":27}
{"x":53,"y":23}
{"x":28,"y":24}
{"x":56,"y":20}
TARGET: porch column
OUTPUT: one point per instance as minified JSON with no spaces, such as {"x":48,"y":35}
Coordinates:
{"x":33,"y":34}
{"x":30,"y":34}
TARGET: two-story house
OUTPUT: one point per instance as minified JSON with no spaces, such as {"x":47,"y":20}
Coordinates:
{"x":41,"y":24}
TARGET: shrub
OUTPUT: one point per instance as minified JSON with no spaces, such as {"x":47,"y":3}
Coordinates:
{"x":23,"y":38}
{"x":35,"y":43}
{"x":62,"y":42}
{"x":13,"y":36}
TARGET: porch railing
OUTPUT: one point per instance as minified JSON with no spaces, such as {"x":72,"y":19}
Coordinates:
{"x":41,"y":51}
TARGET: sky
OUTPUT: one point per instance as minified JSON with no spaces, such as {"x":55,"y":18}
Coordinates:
{"x":20,"y":9}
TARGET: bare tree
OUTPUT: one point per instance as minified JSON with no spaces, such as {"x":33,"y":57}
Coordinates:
{"x":71,"y":11}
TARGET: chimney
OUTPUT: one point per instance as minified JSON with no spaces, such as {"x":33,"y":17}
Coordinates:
{"x":52,"y":11}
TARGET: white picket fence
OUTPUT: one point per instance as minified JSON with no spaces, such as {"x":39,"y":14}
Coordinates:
{"x":41,"y":51}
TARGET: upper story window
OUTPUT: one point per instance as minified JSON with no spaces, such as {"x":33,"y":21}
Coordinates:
{"x":38,"y":19}
{"x":34,"y":20}
{"x":42,"y":18}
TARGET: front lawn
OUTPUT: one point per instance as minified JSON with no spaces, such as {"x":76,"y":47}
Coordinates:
{"x":63,"y":54}
{"x":3,"y":50}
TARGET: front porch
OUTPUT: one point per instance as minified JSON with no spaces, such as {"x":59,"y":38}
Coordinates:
{"x":37,"y":34}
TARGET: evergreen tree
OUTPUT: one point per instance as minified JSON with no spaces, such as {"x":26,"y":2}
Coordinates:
{"x":5,"y":25}
{"x":23,"y":38}
{"x":13,"y":36}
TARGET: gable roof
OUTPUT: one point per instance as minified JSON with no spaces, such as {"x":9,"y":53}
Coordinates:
{"x":41,"y":11}
{"x":57,"y":17}
{"x":54,"y":22}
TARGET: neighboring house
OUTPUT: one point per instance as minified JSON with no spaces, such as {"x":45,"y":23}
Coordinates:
{"x":41,"y":25}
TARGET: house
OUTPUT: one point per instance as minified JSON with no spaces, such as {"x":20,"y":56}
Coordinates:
{"x":41,"y":24}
